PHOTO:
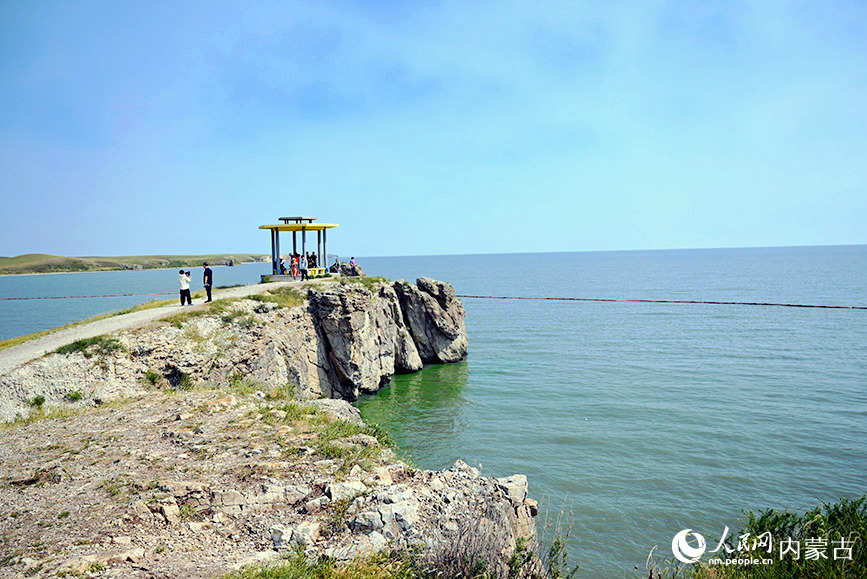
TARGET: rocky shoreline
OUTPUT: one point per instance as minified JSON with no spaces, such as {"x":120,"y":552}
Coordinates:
{"x":208,"y":441}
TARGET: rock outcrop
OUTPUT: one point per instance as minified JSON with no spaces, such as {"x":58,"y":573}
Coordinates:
{"x":346,"y":339}
{"x":364,"y":335}
{"x":435,"y":318}
{"x":349,"y":271}
{"x":196,"y":483}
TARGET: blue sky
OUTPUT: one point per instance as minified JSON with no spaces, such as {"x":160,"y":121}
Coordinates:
{"x":432,"y":127}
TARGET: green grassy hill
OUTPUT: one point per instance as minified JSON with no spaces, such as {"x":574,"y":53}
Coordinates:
{"x":45,"y":263}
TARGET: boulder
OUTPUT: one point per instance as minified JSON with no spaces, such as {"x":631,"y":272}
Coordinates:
{"x":435,"y":319}
{"x":364,"y":336}
{"x":346,"y":269}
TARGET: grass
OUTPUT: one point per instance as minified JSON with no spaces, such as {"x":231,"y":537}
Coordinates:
{"x":296,"y":566}
{"x":394,"y":564}
{"x":830,"y":524}
{"x":329,"y":432}
{"x":98,"y":345}
{"x":284,"y":297}
{"x":240,"y":384}
{"x":368,"y":282}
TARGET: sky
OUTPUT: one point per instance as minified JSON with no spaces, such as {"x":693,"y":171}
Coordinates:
{"x":130,"y":128}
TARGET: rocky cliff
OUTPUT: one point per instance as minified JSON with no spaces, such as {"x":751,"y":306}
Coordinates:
{"x":339,"y":341}
{"x":212,"y":439}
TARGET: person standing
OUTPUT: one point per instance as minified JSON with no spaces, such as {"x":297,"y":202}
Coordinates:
{"x":184,"y":281}
{"x":303,"y":265}
{"x":208,"y":279}
{"x":352,"y":264}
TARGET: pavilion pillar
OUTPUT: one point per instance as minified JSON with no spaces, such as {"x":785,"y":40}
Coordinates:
{"x":273,"y":253}
{"x":304,"y":241}
{"x":324,"y":250}
{"x":319,"y":248}
{"x":277,"y":261}
{"x":294,"y":242}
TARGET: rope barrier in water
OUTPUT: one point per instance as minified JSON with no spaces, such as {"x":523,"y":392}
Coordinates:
{"x":666,"y":302}
{"x":510,"y":298}
{"x":77,"y":297}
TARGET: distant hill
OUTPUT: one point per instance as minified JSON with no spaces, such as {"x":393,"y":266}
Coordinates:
{"x":45,"y":263}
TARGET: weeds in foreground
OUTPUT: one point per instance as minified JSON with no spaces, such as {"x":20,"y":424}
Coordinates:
{"x":835,"y":533}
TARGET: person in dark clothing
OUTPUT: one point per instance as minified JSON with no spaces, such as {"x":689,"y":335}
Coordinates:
{"x":208,"y":279}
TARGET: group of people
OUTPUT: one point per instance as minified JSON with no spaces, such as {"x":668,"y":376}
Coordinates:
{"x":184,"y":279}
{"x":299,"y":264}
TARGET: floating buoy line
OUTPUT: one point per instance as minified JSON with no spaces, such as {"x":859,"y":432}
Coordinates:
{"x":80,"y":297}
{"x":557,"y":299}
{"x":665,"y":302}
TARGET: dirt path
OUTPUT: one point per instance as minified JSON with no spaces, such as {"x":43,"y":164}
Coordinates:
{"x":11,"y":358}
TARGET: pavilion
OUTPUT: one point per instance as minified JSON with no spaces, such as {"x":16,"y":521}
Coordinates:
{"x":296,"y":224}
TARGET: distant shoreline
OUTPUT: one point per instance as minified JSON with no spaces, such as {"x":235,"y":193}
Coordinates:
{"x":119,"y":269}
{"x":45,"y":264}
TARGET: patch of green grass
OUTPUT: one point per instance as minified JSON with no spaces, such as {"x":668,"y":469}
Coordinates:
{"x":98,"y":345}
{"x":38,"y":401}
{"x":188,"y":513}
{"x":74,"y":395}
{"x":371,"y":283}
{"x":185,"y":382}
{"x":243,"y":384}
{"x":839,"y":526}
{"x":152,"y":377}
{"x":284,"y":297}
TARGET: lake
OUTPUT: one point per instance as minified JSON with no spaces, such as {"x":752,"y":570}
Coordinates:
{"x":636,"y":420}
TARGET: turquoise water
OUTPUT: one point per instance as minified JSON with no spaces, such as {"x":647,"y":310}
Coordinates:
{"x":642,"y":419}
{"x":20,"y":317}
{"x":645,"y":419}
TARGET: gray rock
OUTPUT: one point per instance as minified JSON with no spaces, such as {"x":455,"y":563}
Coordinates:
{"x":337,"y":491}
{"x":367,"y":521}
{"x":515,"y":487}
{"x":305,"y":533}
{"x":435,"y":319}
{"x":364,"y":334}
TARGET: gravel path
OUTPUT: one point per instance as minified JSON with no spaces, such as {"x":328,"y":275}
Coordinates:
{"x":11,"y":358}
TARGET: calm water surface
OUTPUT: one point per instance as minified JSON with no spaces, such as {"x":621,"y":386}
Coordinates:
{"x":645,"y":419}
{"x":642,"y":419}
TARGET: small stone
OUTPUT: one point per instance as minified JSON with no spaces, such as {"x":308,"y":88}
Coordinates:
{"x":344,"y":490}
{"x":280,"y":534}
{"x":316,"y":504}
{"x":141,"y":510}
{"x":305,"y":533}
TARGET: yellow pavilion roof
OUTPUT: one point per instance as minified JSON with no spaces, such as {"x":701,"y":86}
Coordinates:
{"x":299,"y":226}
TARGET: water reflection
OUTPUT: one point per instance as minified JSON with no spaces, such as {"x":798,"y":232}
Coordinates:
{"x":424,"y":412}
